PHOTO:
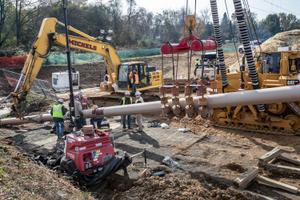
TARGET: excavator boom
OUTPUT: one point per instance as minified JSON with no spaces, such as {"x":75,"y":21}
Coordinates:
{"x":47,"y":37}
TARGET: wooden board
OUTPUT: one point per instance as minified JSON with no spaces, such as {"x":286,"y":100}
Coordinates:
{"x":282,"y":169}
{"x":289,"y":159}
{"x":274,"y":153}
{"x":276,"y":184}
{"x":246,"y":178}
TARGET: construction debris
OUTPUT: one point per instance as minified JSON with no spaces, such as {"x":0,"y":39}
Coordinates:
{"x":270,"y":159}
{"x":181,"y":187}
{"x":170,"y":162}
{"x":265,"y":161}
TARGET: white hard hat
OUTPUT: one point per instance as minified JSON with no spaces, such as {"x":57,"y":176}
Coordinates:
{"x":137,"y":93}
{"x":60,"y":101}
{"x":79,"y":94}
{"x":127,"y":93}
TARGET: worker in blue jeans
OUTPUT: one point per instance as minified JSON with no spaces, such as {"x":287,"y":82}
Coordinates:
{"x":58,"y":112}
{"x":126,"y":119}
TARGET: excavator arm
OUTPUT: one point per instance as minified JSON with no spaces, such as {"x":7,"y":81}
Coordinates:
{"x":47,"y":37}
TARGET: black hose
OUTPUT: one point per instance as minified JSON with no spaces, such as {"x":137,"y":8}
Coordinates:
{"x":244,"y":35}
{"x":220,"y":53}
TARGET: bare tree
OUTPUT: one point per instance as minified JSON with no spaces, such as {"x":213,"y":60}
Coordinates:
{"x":6,"y":26}
{"x":25,"y":10}
{"x":130,"y":11}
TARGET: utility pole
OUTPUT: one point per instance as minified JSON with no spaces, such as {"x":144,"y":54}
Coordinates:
{"x":71,"y":105}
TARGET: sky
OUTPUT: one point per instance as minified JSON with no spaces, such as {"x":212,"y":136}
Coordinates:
{"x":261,"y":7}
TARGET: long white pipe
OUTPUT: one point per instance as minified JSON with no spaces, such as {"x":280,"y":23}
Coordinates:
{"x":254,"y":97}
{"x":247,"y":97}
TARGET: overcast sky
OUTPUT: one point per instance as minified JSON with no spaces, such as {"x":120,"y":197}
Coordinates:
{"x":260,"y":7}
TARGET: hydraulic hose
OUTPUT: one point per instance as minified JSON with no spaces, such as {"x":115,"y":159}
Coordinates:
{"x":244,"y":36}
{"x":220,"y":53}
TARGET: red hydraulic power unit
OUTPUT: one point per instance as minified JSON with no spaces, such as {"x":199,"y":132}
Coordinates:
{"x":89,"y":151}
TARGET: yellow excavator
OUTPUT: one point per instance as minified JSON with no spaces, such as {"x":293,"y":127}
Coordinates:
{"x":118,"y":80}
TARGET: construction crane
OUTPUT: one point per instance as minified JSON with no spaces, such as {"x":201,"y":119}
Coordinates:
{"x":118,"y":72}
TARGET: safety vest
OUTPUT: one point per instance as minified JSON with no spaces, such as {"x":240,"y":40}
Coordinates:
{"x":124,"y":100}
{"x":134,"y":78}
{"x":139,"y":100}
{"x":57,"y":111}
{"x":197,"y":62}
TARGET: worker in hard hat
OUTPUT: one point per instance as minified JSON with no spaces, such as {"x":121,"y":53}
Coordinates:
{"x":79,"y":120}
{"x":126,"y":119}
{"x":139,"y":117}
{"x":96,"y":122}
{"x":58,"y":112}
{"x":134,"y":80}
{"x":197,"y":62}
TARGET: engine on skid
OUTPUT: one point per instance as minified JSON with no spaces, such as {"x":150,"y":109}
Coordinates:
{"x":89,"y":155}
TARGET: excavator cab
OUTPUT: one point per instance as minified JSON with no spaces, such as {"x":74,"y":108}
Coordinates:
{"x":148,"y":76}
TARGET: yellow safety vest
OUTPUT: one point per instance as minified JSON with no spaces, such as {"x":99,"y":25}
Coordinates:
{"x":197,"y":61}
{"x":123,"y":100}
{"x":57,"y":111}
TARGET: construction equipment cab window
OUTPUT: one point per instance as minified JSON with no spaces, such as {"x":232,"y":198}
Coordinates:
{"x":138,"y":73}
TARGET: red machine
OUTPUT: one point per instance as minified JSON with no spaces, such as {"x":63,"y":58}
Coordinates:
{"x":89,"y":151}
{"x":91,"y":157}
{"x":188,"y":43}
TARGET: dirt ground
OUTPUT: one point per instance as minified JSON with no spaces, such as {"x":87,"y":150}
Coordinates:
{"x":23,"y":179}
{"x":92,"y":74}
{"x":208,"y":158}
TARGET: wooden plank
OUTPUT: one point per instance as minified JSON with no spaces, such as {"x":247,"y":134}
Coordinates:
{"x":282,"y":169}
{"x":276,"y":184}
{"x":263,"y":197}
{"x":246,"y":178}
{"x":263,"y":160}
{"x":289,"y":159}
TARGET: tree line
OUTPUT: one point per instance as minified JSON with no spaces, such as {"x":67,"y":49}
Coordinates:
{"x":20,"y":21}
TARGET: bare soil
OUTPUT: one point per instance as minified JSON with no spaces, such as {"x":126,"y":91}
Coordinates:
{"x":209,"y":160}
{"x":178,"y":187}
{"x":92,"y":74}
{"x":23,"y":179}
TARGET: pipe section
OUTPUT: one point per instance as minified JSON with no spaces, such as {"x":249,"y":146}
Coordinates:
{"x":245,"y":97}
{"x":27,"y":119}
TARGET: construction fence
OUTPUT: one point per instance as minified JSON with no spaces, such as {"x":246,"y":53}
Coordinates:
{"x":84,"y":58}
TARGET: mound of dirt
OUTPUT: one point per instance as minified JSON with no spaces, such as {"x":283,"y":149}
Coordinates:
{"x":283,"y":39}
{"x":178,"y":187}
{"x":22,"y":179}
{"x":5,"y":89}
